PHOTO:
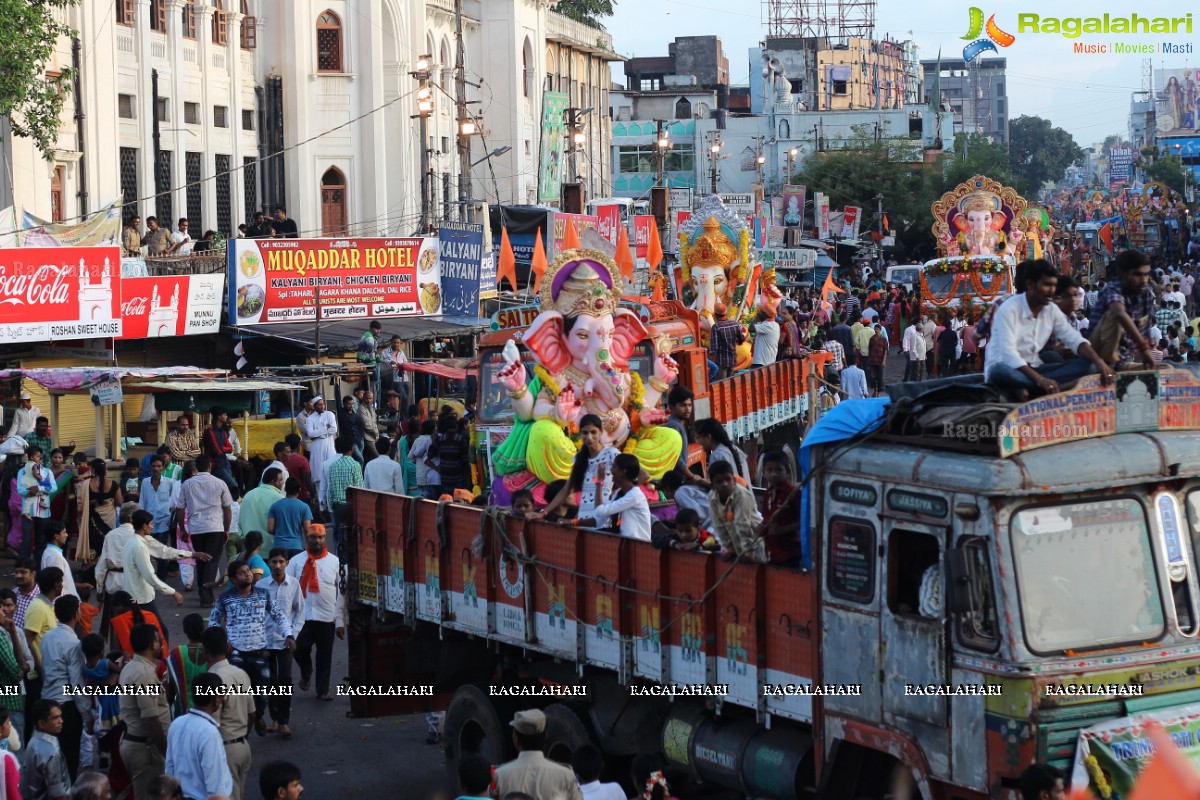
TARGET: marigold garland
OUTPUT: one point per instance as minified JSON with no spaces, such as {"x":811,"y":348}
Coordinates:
{"x":548,"y":382}
{"x":1097,"y":776}
{"x":637,"y":391}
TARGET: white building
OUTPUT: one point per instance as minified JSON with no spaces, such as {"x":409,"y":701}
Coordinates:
{"x":353,"y":161}
{"x":307,"y":104}
{"x":167,"y":95}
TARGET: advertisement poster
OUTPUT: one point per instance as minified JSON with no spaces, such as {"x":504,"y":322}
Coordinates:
{"x":554,"y":108}
{"x":581,"y":223}
{"x":609,"y":224}
{"x":821,"y":210}
{"x":740,"y":204}
{"x":54,"y":293}
{"x":641,"y":238}
{"x":679,"y":199}
{"x":1175,"y":101}
{"x":1120,"y":165}
{"x":679,"y":219}
{"x":1121,"y":748}
{"x":283,"y":280}
{"x":850,"y":219}
{"x":487,"y":277}
{"x":174,"y":305}
{"x":101,"y":229}
{"x":461,"y":254}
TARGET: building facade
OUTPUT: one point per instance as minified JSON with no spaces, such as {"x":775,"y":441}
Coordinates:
{"x":975,"y":92}
{"x":819,"y":75}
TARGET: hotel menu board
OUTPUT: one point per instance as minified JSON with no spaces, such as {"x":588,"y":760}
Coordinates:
{"x":284,"y":280}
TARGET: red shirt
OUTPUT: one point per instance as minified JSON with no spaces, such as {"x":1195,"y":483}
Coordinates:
{"x":298,"y":467}
{"x":782,"y":548}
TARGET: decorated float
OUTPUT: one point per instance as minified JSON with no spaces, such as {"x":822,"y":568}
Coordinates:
{"x":982,"y":229}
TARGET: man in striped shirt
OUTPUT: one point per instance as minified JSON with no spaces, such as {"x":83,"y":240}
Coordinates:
{"x":343,"y":473}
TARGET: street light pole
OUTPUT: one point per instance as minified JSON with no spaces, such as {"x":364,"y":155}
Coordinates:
{"x":714,"y":152}
{"x":663,"y":140}
{"x":791,"y":164}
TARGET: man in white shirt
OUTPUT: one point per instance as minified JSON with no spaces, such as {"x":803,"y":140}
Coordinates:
{"x":928,"y":328}
{"x":913,"y":344}
{"x":854,"y":380}
{"x":766,"y":340}
{"x":1021,"y":328}
{"x":631,"y":505}
{"x":140,"y":581}
{"x":209,"y":508}
{"x":384,"y":474}
{"x":285,"y":593}
{"x":181,"y":240}
{"x":25,"y":417}
{"x":317,"y":570}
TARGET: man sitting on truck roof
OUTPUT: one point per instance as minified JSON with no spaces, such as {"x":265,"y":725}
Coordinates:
{"x":1021,"y":329}
{"x":1120,"y":320}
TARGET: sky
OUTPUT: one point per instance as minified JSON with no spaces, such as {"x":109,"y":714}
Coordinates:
{"x":1086,"y":94}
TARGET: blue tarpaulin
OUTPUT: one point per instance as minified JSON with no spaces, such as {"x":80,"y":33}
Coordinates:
{"x":846,"y":420}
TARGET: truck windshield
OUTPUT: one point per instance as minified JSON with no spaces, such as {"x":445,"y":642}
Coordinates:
{"x":1086,"y":575}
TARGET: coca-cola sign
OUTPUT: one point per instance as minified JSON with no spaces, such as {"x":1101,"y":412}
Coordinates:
{"x":179,"y":305}
{"x":55,"y":293}
{"x":609,"y":223}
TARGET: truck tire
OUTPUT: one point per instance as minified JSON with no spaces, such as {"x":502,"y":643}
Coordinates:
{"x":473,"y":726}
{"x":565,"y":733}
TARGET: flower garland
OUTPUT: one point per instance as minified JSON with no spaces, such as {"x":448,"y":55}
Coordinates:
{"x":989,"y":265}
{"x":637,"y":391}
{"x":1097,"y":776}
{"x":548,"y":382}
{"x":928,"y":296}
{"x":998,"y":286}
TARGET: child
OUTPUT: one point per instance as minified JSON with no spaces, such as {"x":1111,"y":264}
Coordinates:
{"x":131,"y":480}
{"x":627,"y":501}
{"x":780,"y":528}
{"x":522,"y":504}
{"x":688,"y":535}
{"x":686,"y":496}
{"x":99,"y":671}
{"x":569,"y":505}
{"x":734,"y":515}
{"x":56,"y":540}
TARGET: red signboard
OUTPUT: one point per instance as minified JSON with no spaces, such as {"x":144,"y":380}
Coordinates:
{"x":284,"y":280}
{"x":56,"y":293}
{"x":581,"y":223}
{"x":175,"y":305}
{"x":641,"y":235}
{"x":610,"y":223}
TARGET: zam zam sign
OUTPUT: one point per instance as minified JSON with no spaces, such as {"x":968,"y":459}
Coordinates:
{"x":1138,"y":35}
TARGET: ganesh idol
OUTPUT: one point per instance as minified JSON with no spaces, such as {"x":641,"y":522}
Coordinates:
{"x":581,"y":343}
{"x":980,"y":222}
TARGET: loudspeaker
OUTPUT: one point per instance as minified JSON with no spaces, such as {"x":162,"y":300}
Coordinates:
{"x":572,"y":198}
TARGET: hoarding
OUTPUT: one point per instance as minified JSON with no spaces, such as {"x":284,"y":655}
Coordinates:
{"x":284,"y":280}
{"x":581,"y":222}
{"x":609,"y":224}
{"x":461,"y":256}
{"x":173,"y":305}
{"x":1175,"y":93}
{"x":554,"y":107}
{"x":56,"y":293}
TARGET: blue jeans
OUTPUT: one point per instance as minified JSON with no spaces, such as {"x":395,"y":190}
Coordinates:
{"x":223,"y":471}
{"x":260,"y":676}
{"x":1066,"y":371}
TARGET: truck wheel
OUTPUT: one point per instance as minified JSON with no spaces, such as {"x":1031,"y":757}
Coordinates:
{"x":473,"y":726}
{"x":565,"y":733}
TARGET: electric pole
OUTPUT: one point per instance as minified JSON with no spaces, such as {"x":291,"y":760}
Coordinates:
{"x":424,"y":109}
{"x":465,"y":126}
{"x":714,"y":152}
{"x":662,"y":145}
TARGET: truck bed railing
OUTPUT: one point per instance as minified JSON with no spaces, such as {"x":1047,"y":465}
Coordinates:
{"x":588,"y":597}
{"x":753,"y":400}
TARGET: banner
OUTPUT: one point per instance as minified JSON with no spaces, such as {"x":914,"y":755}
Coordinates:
{"x":487,"y":277}
{"x":775,"y":224}
{"x":1175,"y":102}
{"x":175,"y":305}
{"x":789,"y":258}
{"x":680,"y":219}
{"x":1121,"y":748}
{"x":554,"y":107}
{"x":282,"y":280}
{"x":609,"y":224}
{"x":581,"y":222}
{"x":821,"y":214}
{"x":680,"y":199}
{"x":740,"y":204}
{"x":460,"y":246}
{"x":850,"y":218}
{"x":641,"y":238}
{"x":1120,"y":164}
{"x":51,"y":293}
{"x":99,"y":230}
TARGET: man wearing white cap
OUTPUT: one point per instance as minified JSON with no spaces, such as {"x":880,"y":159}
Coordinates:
{"x":25,"y":417}
{"x":322,"y":428}
{"x":531,"y":772}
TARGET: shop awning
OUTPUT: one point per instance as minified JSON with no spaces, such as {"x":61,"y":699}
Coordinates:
{"x":68,"y":379}
{"x":440,"y":370}
{"x":250,"y":385}
{"x":343,"y":335}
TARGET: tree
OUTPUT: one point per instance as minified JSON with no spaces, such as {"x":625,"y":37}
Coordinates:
{"x":974,"y":154}
{"x":1040,"y":152}
{"x":588,"y":12}
{"x":1168,"y":170}
{"x":29,"y":32}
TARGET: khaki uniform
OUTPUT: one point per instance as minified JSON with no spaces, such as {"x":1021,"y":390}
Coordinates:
{"x":143,"y":759}
{"x":157,"y":242}
{"x":537,"y":777}
{"x":234,"y":719}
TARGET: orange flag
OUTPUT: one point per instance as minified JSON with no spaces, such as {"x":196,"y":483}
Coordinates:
{"x":1168,"y":773}
{"x":623,"y":257}
{"x":654,"y":251}
{"x":506,"y":267}
{"x":570,"y":238}
{"x":538,"y":265}
{"x":830,"y":286}
{"x":1106,"y":236}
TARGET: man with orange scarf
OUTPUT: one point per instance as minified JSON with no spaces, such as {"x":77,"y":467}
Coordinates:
{"x":318,"y":571}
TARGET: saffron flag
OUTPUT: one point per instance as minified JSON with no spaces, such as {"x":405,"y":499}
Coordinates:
{"x":1106,"y":236}
{"x":886,"y":226}
{"x":1168,"y":773}
{"x":506,"y":267}
{"x":570,"y":238}
{"x":830,"y":288}
{"x":623,"y":256}
{"x":537,"y":264}
{"x":654,"y":251}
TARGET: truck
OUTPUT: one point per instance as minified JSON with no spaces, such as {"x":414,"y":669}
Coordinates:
{"x":975,"y":601}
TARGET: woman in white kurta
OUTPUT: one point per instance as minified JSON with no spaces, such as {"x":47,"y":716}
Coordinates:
{"x":322,"y":428}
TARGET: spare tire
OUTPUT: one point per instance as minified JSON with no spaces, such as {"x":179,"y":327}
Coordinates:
{"x":473,"y":725}
{"x":565,"y":733}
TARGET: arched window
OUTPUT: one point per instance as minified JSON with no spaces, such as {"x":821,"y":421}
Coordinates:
{"x":785,"y":130}
{"x":447,"y":68}
{"x":683,"y":108}
{"x":220,"y":24}
{"x":528,"y":70}
{"x":333,"y":203}
{"x":329,"y":42}
{"x":550,"y":61}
